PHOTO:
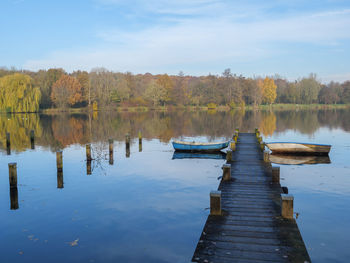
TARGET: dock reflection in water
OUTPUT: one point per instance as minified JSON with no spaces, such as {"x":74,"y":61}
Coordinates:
{"x":298,"y":160}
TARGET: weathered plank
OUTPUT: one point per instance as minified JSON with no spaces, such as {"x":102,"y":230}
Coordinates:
{"x":250,"y":228}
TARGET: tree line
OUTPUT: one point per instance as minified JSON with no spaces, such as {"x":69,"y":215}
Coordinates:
{"x":28,"y":91}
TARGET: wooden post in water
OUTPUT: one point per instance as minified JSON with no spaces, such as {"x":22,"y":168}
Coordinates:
{"x":14,"y":198}
{"x":88,"y":152}
{"x":226,"y":172}
{"x":59,"y":161}
{"x":215,"y":203}
{"x":110,"y":147}
{"x":13,"y":174}
{"x":59,"y":179}
{"x":287,"y":206}
{"x":13,"y":186}
{"x":232,"y":146}
{"x":88,"y":167}
{"x":229,"y":156}
{"x":276,"y":175}
{"x":140,"y":141}
{"x":8,"y":143}
{"x":127,"y":145}
{"x":59,"y":164}
{"x":32,"y":144}
{"x":266,"y":156}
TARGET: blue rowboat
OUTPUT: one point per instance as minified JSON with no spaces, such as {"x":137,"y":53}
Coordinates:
{"x":188,"y":155}
{"x":199,"y":146}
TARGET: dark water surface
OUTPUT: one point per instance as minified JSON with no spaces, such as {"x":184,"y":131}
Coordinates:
{"x":147,"y":206}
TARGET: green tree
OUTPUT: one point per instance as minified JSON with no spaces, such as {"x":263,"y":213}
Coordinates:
{"x":18,"y":94}
{"x":309,"y":89}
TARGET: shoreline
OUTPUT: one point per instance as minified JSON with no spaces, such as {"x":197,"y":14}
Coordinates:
{"x":171,"y":108}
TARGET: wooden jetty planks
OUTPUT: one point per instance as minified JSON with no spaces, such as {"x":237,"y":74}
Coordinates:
{"x":251,"y":228}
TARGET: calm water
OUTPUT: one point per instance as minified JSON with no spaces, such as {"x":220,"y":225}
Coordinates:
{"x":147,"y":206}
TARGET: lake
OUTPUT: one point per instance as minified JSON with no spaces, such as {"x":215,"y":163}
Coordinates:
{"x":147,"y":205}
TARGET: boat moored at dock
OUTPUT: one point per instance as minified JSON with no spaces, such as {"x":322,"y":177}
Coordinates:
{"x":199,"y":146}
{"x":298,"y":148}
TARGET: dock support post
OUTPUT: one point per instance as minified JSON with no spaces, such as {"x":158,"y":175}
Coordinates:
{"x":287,"y":206}
{"x":8,"y":143}
{"x":229,"y":156}
{"x":59,"y":161}
{"x":266,"y":157}
{"x":88,"y":152}
{"x":140,"y":141}
{"x":13,"y":175}
{"x":262,"y":145}
{"x":110,"y":147}
{"x":276,"y":175}
{"x":32,"y":145}
{"x":215,"y":203}
{"x":226,"y":172}
{"x":235,"y":137}
{"x":232,"y":146}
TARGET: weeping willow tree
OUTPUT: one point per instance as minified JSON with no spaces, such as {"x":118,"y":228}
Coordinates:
{"x":17,"y":94}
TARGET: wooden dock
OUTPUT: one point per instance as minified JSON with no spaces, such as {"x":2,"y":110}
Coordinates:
{"x":250,"y":228}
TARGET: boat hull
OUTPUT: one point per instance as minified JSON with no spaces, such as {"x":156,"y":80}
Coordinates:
{"x":199,"y":147}
{"x":298,"y":148}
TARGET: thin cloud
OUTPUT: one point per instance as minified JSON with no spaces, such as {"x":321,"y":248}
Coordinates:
{"x":201,"y":40}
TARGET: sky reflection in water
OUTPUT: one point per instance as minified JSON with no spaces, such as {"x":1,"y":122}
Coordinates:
{"x":149,"y":207}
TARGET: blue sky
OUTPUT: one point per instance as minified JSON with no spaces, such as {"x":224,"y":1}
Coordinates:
{"x":253,"y":37}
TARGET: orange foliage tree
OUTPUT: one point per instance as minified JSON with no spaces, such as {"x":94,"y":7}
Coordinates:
{"x":66,"y":91}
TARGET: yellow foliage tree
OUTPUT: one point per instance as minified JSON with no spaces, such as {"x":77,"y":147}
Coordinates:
{"x":18,"y":94}
{"x":269,"y":90}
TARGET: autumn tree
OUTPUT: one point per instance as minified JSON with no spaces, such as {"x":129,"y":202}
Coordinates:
{"x":18,"y":94}
{"x":269,"y":90}
{"x":84,"y":80}
{"x":44,"y":80}
{"x":66,"y":91}
{"x":167,"y":85}
{"x":155,"y":93}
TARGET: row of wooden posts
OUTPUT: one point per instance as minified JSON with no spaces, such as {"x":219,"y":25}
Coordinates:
{"x":32,"y":144}
{"x":8,"y":141}
{"x":59,"y":163}
{"x":286,"y":199}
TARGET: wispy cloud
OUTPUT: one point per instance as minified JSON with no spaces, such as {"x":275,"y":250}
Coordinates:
{"x":215,"y":33}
